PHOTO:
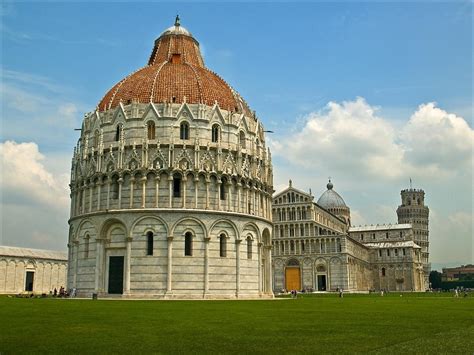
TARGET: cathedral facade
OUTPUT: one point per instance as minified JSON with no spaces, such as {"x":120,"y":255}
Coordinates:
{"x":315,"y":248}
{"x":171,"y":186}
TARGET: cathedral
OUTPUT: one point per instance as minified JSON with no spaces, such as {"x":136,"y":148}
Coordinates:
{"x":315,"y":247}
{"x":172,"y":197}
{"x":171,"y":186}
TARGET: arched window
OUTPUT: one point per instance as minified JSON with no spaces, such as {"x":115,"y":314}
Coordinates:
{"x":149,"y":243}
{"x":184,"y":130}
{"x":188,"y":244}
{"x":242,"y":140}
{"x":222,"y":188}
{"x":151,"y":129}
{"x":118,"y":131}
{"x":215,"y":133}
{"x":96,"y":138}
{"x":383,"y":271}
{"x":177,"y":185}
{"x":249,"y":247}
{"x":222,"y":245}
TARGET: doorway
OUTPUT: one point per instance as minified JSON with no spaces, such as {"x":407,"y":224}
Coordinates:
{"x":321,"y":282}
{"x":116,"y":275}
{"x":30,"y":277}
{"x":293,"y":278}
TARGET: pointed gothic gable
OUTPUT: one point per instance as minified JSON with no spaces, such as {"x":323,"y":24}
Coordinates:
{"x":151,"y":112}
{"x":243,"y":124}
{"x":134,"y":160}
{"x":110,"y":162}
{"x":183,"y":160}
{"x":119,"y":114}
{"x":216,"y":115}
{"x":158,"y":160}
{"x":185,"y":112}
{"x":229,"y":166}
{"x":207,"y":162}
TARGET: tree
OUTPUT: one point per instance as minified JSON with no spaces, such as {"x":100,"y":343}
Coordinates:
{"x":435,"y":279}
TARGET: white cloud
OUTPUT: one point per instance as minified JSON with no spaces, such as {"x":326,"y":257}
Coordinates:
{"x":25,"y":180}
{"x":350,"y":136}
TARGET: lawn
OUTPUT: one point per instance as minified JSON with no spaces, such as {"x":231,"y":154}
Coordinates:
{"x":415,"y":323}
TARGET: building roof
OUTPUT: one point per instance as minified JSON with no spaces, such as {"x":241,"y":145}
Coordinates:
{"x":32,"y":253}
{"x":405,"y":244}
{"x":330,"y":198}
{"x":175,"y":73}
{"x":379,"y":227}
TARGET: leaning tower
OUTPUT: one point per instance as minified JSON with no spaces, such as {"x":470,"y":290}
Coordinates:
{"x":413,"y":211}
{"x":171,"y":185}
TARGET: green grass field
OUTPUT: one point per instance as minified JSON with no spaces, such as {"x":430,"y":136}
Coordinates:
{"x":414,"y":323}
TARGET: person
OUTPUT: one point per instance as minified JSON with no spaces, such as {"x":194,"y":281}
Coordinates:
{"x":456,"y":293}
{"x":55,"y":292}
{"x":341,"y":293}
{"x":381,"y":293}
{"x":73,"y":292}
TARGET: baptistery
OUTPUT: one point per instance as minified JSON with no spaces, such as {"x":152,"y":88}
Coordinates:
{"x":171,"y":186}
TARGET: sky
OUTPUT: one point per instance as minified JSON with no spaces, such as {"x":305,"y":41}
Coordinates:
{"x":368,"y":93}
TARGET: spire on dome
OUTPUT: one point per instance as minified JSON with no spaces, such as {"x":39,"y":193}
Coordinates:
{"x":176,"y":21}
{"x":329,"y":185}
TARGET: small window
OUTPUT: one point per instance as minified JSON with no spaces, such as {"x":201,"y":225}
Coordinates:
{"x":404,"y":252}
{"x":380,"y":252}
{"x":184,"y":131}
{"x":401,"y":235}
{"x":188,"y":244}
{"x":373,"y":235}
{"x":396,"y":252}
{"x":215,"y":133}
{"x":118,"y":131}
{"x":361,"y":237}
{"x":222,"y":188}
{"x":388,"y":252}
{"x":151,"y":130}
{"x":149,"y":243}
{"x":249,"y":248}
{"x":386,"y":235}
{"x":176,"y":186}
{"x":222,"y":246}
{"x":383,"y":271}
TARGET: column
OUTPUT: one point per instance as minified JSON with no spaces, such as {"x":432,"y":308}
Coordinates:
{"x":132,"y":187}
{"x":108,"y":192}
{"x":128,"y":257}
{"x":239,"y":197}
{"x":120,"y":181}
{"x":206,"y":265}
{"x":98,"y":264}
{"x":219,"y":186}
{"x":170,"y":186}
{"x":259,"y":250}
{"x":183,"y":186}
{"x":99,"y":193}
{"x":196,"y":186}
{"x":76,"y":264}
{"x":91,"y":190}
{"x":157,"y":190}
{"x":229,"y":195}
{"x":268,"y":269}
{"x":143,"y":180}
{"x":170,"y":265}
{"x":237,"y":267}
{"x":83,"y":207}
{"x":207,"y":193}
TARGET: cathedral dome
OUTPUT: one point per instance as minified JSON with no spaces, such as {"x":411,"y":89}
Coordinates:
{"x":175,"y":73}
{"x":330,"y":198}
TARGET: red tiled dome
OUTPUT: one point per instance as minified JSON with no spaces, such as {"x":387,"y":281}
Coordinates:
{"x":175,"y":73}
